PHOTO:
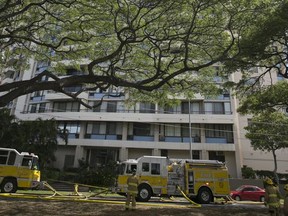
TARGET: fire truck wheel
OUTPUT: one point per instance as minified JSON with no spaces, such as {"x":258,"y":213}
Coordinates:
{"x":9,"y":186}
{"x":144,"y":193}
{"x":204,"y":196}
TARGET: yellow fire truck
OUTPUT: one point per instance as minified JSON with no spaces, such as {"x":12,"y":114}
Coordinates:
{"x":18,"y":170}
{"x":160,"y":176}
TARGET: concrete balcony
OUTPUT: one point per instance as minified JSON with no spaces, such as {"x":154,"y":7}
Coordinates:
{"x":51,"y":95}
{"x":138,"y":117}
{"x":152,"y":145}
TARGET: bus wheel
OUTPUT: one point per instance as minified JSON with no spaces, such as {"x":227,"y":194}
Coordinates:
{"x":204,"y":196}
{"x":144,"y":193}
{"x":9,"y":186}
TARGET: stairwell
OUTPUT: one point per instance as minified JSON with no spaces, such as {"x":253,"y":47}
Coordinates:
{"x":62,"y":186}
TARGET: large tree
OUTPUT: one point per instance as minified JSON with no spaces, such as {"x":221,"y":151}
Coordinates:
{"x":8,"y":126}
{"x":263,"y":46}
{"x":267,"y":130}
{"x":39,"y":137}
{"x":137,"y":44}
{"x":267,"y":133}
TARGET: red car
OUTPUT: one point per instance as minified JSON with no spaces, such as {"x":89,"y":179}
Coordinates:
{"x":248,"y":192}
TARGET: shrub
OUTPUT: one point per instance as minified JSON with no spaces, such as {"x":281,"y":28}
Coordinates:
{"x":248,"y":173}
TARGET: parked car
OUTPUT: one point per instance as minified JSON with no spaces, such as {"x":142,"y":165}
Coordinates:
{"x":248,"y":192}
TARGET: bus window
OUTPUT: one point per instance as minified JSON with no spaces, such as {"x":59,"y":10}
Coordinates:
{"x":12,"y":157}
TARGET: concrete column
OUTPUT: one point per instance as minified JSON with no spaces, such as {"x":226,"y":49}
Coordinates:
{"x":156,"y":152}
{"x":204,"y":155}
{"x":82,"y":130}
{"x":202,"y":133}
{"x":156,"y":133}
{"x":79,"y":155}
{"x":124,"y":130}
{"x":123,"y":154}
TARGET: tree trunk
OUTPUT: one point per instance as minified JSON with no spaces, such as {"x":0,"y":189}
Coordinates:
{"x":275,"y":166}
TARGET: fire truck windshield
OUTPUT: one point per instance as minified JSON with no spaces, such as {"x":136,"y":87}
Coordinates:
{"x":130,"y":168}
{"x":35,"y":163}
{"x":126,"y":168}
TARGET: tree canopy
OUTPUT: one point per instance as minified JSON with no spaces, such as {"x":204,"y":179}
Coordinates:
{"x":39,"y":137}
{"x":267,"y":132}
{"x":142,"y":46}
{"x":269,"y":98}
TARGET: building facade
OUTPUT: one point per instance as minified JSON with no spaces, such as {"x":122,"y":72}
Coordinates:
{"x":201,"y":128}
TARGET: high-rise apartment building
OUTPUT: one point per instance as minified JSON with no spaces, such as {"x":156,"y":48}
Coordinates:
{"x":202,"y":128}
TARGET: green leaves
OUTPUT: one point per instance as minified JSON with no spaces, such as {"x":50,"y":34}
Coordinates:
{"x":269,"y":98}
{"x":38,"y":137}
{"x":138,"y":45}
{"x":267,"y":131}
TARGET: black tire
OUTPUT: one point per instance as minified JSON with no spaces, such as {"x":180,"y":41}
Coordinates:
{"x":204,"y":196}
{"x":9,"y":186}
{"x":262,"y":199}
{"x":144,"y":193}
{"x":237,"y":198}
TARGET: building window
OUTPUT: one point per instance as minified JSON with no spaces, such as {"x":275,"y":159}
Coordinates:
{"x":172,"y":130}
{"x":196,"y":154}
{"x":96,"y":128}
{"x":195,"y":107}
{"x":42,"y":107}
{"x":214,"y":108}
{"x":73,"y":71}
{"x":72,"y":127}
{"x":164,"y":152}
{"x":142,"y":129}
{"x":96,"y":106}
{"x":66,"y":107}
{"x":147,"y":108}
{"x":112,"y":106}
{"x":185,"y":107}
{"x":168,"y":109}
{"x":111,"y":128}
{"x":33,"y":108}
{"x":73,"y":88}
{"x":217,"y":155}
{"x":39,"y":107}
{"x":102,"y":156}
{"x":219,"y":131}
{"x":195,"y":130}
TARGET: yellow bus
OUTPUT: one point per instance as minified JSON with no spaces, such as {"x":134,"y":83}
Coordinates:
{"x":18,"y":170}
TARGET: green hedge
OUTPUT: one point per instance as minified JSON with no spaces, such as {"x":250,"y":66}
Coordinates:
{"x":249,"y":173}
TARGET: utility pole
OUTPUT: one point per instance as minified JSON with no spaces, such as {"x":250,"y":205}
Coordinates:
{"x":190,"y":132}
